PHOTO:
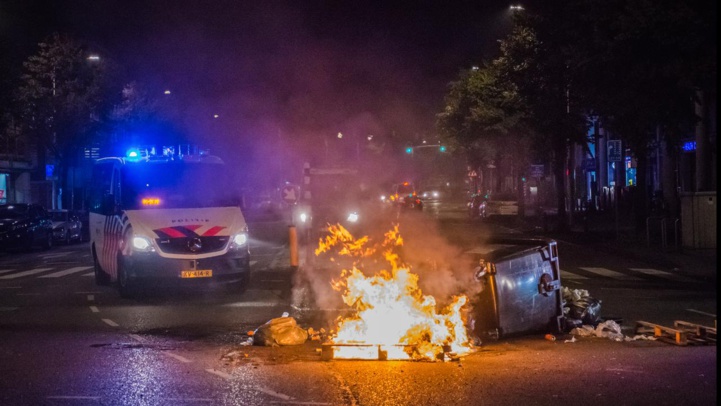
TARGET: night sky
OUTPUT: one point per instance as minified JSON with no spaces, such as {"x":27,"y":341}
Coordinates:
{"x":285,"y":68}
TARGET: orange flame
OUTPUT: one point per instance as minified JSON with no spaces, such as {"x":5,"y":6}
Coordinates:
{"x":391,"y":311}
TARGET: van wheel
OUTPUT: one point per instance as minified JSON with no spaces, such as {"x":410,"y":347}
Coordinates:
{"x":101,"y":278}
{"x":126,"y":287}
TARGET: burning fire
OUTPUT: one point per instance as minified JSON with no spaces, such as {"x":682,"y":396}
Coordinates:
{"x":392,"y":316}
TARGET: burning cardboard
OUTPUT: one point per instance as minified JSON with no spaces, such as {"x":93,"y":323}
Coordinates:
{"x":393,"y":319}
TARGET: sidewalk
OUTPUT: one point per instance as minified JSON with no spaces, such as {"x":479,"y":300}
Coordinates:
{"x":618,"y":237}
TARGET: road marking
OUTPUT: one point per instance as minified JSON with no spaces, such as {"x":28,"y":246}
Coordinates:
{"x":8,"y":309}
{"x":251,"y":304}
{"x":110,"y":323}
{"x":186,"y":400}
{"x":570,"y":275}
{"x":700,"y":312}
{"x":94,"y":309}
{"x":2,"y":271}
{"x":57,"y":255}
{"x":253,"y":263}
{"x":138,"y":338}
{"x":219,"y":373}
{"x":664,"y":274}
{"x":607,"y":272}
{"x":178,"y":357}
{"x":66,"y":272}
{"x":74,"y":397}
{"x":91,"y":298}
{"x":26,"y":273}
{"x":89,"y":274}
{"x":275,"y":394}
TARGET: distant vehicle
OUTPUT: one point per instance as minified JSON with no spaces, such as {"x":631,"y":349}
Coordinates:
{"x":24,"y":226}
{"x":431,"y":195}
{"x":67,"y":226}
{"x":404,"y":195}
{"x":502,"y":204}
{"x":332,"y":195}
{"x":482,"y":206}
{"x":170,"y":219}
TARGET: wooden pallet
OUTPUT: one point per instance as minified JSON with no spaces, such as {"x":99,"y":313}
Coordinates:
{"x":682,"y":333}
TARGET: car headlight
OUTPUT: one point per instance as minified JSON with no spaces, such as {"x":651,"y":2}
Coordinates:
{"x":142,"y":244}
{"x":352,"y":217}
{"x":303,"y":217}
{"x":238,"y":240}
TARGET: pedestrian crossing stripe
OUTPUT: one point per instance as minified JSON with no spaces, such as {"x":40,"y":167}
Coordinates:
{"x":607,"y":273}
{"x":2,"y":271}
{"x":66,"y":272}
{"x":662,"y":274}
{"x":26,"y":273}
{"x":570,"y":275}
{"x":53,"y":256}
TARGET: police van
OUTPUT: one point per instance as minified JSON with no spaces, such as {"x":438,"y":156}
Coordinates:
{"x":168,"y":219}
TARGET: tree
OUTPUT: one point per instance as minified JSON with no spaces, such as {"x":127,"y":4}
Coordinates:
{"x":651,"y":59}
{"x":63,"y":96}
{"x":483,"y":118}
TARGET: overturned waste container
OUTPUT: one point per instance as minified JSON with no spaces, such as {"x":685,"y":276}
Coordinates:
{"x":519,"y":288}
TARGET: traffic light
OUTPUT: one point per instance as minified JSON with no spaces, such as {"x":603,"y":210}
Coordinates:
{"x":443,"y":148}
{"x":409,"y":150}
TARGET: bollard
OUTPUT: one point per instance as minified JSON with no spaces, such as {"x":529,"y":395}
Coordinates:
{"x":293,"y":242}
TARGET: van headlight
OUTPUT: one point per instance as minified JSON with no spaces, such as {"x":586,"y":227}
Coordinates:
{"x":142,"y":244}
{"x":238,"y":240}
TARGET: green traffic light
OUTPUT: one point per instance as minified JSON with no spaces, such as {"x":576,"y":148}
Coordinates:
{"x":409,"y":150}
{"x":443,"y":148}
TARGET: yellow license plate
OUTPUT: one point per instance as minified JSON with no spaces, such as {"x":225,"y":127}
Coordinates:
{"x":197,"y":274}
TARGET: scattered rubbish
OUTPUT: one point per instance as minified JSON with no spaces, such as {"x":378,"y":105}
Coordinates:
{"x":580,"y":307}
{"x":316,"y":335}
{"x":280,"y":331}
{"x":609,"y":329}
{"x":550,"y":337}
{"x":571,"y":340}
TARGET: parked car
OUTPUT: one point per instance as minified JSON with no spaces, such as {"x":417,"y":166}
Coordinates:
{"x":67,"y":226}
{"x":24,"y":226}
{"x":482,"y":206}
{"x":502,"y":204}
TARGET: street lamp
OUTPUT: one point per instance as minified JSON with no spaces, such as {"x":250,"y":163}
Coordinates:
{"x":516,"y":7}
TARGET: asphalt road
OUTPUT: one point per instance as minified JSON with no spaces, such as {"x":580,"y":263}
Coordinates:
{"x":69,"y":342}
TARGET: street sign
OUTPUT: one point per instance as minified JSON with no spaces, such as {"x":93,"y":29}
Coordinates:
{"x":290,"y":194}
{"x":615,"y":153}
{"x":536,"y":171}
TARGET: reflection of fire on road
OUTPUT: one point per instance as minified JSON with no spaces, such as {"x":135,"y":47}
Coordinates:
{"x":392,"y":318}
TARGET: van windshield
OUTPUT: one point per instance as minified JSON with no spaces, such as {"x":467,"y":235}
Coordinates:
{"x":176,"y":185}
